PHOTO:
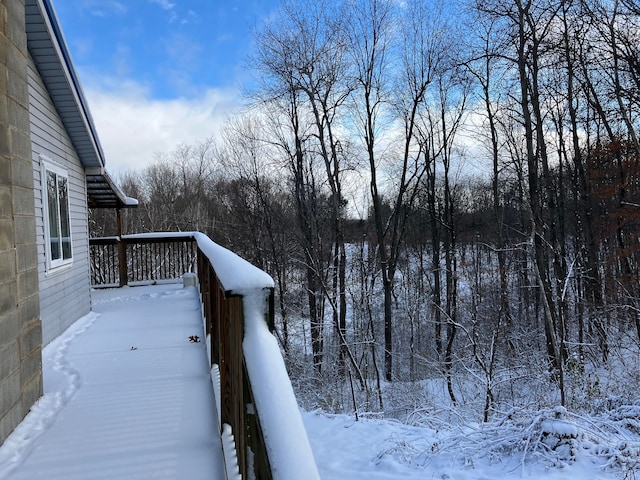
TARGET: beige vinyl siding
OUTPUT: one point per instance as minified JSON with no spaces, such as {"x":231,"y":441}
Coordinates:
{"x":65,"y":293}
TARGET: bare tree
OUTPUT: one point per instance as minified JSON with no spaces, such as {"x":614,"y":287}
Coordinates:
{"x":260,"y":206}
{"x":393,"y":93}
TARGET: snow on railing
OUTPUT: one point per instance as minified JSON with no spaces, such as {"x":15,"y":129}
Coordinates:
{"x":257,"y":406}
{"x":284,"y":434}
{"x":270,"y":412}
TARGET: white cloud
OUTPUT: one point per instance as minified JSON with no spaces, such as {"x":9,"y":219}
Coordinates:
{"x":164,"y":4}
{"x":132,"y":127}
{"x":190,"y":18}
{"x":167,"y":5}
{"x":101,"y":8}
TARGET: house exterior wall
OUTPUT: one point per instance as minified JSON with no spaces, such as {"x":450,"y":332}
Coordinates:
{"x":65,"y":292}
{"x":20,"y":328}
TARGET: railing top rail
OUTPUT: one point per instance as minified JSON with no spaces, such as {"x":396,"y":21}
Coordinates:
{"x":236,"y":275}
{"x":161,"y":236}
{"x":104,"y":240}
{"x":158,"y":237}
{"x":166,"y":237}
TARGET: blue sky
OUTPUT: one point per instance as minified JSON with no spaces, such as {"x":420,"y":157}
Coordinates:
{"x":158,"y":73}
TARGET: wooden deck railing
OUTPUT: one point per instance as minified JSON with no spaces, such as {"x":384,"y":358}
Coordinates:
{"x":157,"y":257}
{"x":225,"y":325}
{"x":136,"y":259}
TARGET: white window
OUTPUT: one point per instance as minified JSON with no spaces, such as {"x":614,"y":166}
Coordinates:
{"x":55,"y":185}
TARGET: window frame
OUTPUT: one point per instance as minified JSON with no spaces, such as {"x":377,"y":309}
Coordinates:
{"x":54,"y":264}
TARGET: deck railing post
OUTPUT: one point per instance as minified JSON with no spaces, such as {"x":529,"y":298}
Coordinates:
{"x":232,"y":346}
{"x":271,"y":312}
{"x":216,"y":317}
{"x":122,"y":262}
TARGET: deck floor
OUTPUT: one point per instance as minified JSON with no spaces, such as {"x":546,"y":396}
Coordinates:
{"x":135,"y":399}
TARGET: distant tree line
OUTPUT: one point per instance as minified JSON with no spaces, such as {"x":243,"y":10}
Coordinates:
{"x":438,"y":189}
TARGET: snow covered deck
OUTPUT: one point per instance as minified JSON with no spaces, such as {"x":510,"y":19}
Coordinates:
{"x":127,"y":395}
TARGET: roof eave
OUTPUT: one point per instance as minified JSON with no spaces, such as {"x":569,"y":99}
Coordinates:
{"x":47,"y":46}
{"x":102,"y":192}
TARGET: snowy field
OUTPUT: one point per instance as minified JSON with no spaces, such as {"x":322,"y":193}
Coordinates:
{"x":128,"y":403}
{"x":386,"y":450}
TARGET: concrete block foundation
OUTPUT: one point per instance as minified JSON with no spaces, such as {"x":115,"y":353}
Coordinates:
{"x":20,"y":326}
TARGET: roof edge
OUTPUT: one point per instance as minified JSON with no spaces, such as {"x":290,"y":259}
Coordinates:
{"x":121,"y":200}
{"x":53,"y":25}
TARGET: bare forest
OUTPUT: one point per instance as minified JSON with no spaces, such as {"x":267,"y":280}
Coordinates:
{"x":447,"y":195}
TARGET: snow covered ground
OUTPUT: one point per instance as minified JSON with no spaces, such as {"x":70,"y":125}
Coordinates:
{"x":128,"y":396}
{"x":388,"y":450}
{"x":385,"y":450}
